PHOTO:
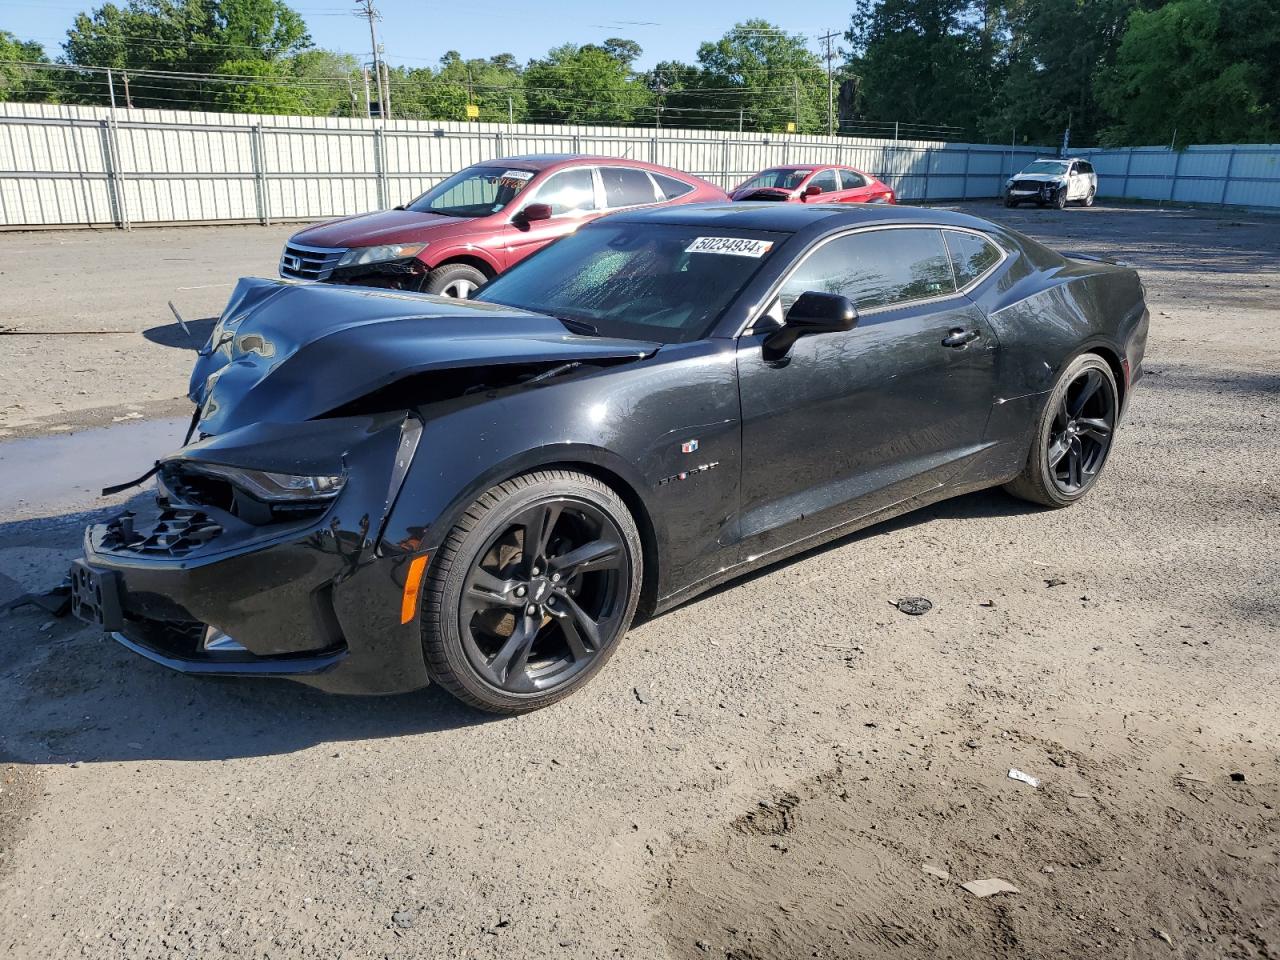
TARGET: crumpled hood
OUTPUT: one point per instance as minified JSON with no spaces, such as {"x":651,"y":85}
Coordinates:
{"x":288,"y":352}
{"x":763,"y":193}
{"x":1039,"y":177}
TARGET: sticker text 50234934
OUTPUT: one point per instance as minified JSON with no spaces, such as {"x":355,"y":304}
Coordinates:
{"x":733,"y":246}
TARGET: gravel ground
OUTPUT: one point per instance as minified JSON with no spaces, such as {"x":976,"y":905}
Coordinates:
{"x":764,"y":773}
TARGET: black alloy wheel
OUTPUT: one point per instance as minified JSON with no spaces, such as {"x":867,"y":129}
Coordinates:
{"x":1080,"y":437}
{"x":541,"y":600}
{"x":532,"y":591}
{"x":1060,"y":198}
{"x":1073,"y":437}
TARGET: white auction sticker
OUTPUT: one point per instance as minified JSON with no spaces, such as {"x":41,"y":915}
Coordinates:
{"x":734,"y":246}
{"x":517,"y":175}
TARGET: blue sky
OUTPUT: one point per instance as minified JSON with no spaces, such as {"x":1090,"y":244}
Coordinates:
{"x":417,"y":32}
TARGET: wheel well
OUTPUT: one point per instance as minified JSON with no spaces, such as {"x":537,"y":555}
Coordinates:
{"x":644,"y":523}
{"x":481,"y":265}
{"x":1117,"y":368}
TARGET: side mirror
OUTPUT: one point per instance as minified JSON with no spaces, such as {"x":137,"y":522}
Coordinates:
{"x":812,"y":190}
{"x":536,"y":211}
{"x":813,"y":312}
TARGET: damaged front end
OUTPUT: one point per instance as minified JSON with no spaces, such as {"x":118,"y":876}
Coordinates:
{"x":264,"y":553}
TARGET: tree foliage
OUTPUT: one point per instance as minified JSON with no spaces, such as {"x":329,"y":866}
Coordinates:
{"x":16,"y":81}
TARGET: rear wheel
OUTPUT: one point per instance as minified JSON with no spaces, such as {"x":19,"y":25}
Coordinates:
{"x":1073,"y":436}
{"x":1088,"y":200}
{"x":458,"y":280}
{"x":531,"y":591}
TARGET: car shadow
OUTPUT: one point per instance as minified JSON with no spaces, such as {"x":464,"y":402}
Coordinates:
{"x":172,"y":334}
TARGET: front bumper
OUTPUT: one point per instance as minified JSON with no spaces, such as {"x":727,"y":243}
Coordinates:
{"x":315,"y":600}
{"x":1043,"y":193}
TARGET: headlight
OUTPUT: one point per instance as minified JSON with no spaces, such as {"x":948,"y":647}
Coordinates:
{"x":388,"y":251}
{"x":275,"y":487}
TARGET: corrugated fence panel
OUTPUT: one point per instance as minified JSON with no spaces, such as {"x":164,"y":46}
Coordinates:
{"x":62,"y":165}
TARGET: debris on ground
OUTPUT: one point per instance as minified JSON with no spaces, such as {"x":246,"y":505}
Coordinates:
{"x":940,"y":872}
{"x":989,"y":887}
{"x":1028,"y":779}
{"x":1161,"y":935}
{"x":1237,"y":778}
{"x":1055,"y":582}
{"x":913,"y":606}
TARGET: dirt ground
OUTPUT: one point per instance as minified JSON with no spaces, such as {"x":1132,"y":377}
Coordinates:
{"x":787,"y":768}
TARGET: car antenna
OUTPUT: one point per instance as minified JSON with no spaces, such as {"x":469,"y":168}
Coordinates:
{"x":182,"y":323}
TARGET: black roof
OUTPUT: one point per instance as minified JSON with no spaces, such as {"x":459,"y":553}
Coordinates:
{"x":794,"y":217}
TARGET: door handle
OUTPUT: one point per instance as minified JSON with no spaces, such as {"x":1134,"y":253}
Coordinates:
{"x":960,"y":338}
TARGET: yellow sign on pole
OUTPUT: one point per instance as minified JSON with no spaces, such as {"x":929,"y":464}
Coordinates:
{"x":791,"y":127}
{"x":473,"y":112}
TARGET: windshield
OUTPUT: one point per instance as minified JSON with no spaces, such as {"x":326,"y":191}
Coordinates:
{"x":784,"y":179}
{"x":1054,"y":167}
{"x":474,"y":192}
{"x":639,"y":281}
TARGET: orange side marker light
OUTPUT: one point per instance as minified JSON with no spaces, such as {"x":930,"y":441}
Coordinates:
{"x":412,"y":588}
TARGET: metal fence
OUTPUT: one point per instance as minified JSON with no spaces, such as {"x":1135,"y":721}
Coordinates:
{"x":91,"y":166}
{"x":1230,"y":174}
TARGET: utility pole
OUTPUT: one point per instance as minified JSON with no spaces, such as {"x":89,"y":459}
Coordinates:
{"x":795,"y":86}
{"x":368,"y":103}
{"x":659,"y":89}
{"x":831,"y":89}
{"x":128,"y":100}
{"x":366,"y":9}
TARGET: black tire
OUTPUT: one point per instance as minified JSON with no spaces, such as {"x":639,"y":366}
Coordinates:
{"x":1060,"y":199}
{"x":1077,"y":424}
{"x":458,"y":280}
{"x":1088,"y":200}
{"x":1010,"y":202}
{"x":548,"y":650}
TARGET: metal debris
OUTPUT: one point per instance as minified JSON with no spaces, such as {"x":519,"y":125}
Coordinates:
{"x":913,"y":606}
{"x":989,"y":887}
{"x":1028,"y":779}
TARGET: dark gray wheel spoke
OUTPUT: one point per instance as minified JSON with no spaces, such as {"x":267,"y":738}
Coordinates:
{"x":596,"y":555}
{"x":1092,"y":381}
{"x":485,"y":588}
{"x":581,"y":633}
{"x":511,"y":658}
{"x":1057,"y":450}
{"x":1098,"y":429}
{"x":1073,"y":466}
{"x":539,"y":522}
{"x":1061,"y":417}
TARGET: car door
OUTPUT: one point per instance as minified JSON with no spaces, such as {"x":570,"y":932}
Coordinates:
{"x":850,"y":423}
{"x":853,"y":187}
{"x":627,"y":187}
{"x":1077,"y":183}
{"x":573,"y":199}
{"x":828,"y":184}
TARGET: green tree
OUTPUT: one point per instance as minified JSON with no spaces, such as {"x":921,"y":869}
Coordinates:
{"x":443,"y":94}
{"x":587,"y":84}
{"x":769,"y":75}
{"x":18,"y":82}
{"x":1208,"y":68}
{"x":928,"y":62}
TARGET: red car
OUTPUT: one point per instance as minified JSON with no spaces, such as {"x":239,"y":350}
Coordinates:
{"x":481,"y":220}
{"x":819,"y":183}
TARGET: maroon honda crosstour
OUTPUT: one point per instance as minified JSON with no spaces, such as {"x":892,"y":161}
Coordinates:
{"x":478,"y":222}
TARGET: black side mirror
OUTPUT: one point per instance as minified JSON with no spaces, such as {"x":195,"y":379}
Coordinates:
{"x":813,"y":312}
{"x":536,"y":211}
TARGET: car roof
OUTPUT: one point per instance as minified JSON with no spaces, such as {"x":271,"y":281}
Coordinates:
{"x":794,"y":217}
{"x":544,"y":161}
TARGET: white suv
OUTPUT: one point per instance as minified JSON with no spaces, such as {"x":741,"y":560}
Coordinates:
{"x":1058,"y":182}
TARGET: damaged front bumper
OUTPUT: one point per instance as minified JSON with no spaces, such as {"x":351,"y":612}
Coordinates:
{"x":206,"y":587}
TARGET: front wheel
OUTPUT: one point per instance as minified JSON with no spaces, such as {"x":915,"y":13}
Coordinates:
{"x":531,"y":591}
{"x":1073,"y":435}
{"x":1010,"y":202}
{"x":458,"y":280}
{"x":1060,"y":199}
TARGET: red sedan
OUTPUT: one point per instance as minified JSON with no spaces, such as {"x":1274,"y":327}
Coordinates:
{"x":482,"y":220}
{"x":814,"y":183}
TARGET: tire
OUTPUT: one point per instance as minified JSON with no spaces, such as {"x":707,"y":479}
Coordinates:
{"x":458,"y":280}
{"x":1010,"y":202}
{"x":1086,"y":433}
{"x":483,"y":637}
{"x":1060,"y":199}
{"x":1088,"y":200}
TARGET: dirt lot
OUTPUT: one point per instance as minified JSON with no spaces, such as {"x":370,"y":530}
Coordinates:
{"x":763,"y":774}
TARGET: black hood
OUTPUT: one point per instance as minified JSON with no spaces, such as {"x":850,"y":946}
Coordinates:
{"x":288,"y":352}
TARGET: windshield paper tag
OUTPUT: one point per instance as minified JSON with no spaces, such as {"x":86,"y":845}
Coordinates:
{"x":517,"y":175}
{"x":734,"y":246}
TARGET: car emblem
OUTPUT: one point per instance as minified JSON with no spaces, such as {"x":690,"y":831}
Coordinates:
{"x":291,"y":262}
{"x":689,"y":446}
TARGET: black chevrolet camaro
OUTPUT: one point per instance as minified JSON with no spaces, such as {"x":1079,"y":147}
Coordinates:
{"x":389,"y":488}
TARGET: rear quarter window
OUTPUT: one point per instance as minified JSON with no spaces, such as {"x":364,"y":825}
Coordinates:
{"x":669,"y":187}
{"x":626,"y":187}
{"x":972,"y":255}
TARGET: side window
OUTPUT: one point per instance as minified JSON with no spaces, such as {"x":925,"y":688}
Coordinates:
{"x":670,"y":187}
{"x":876,"y":268}
{"x":825,"y":180}
{"x":569,"y":191}
{"x":852,"y":180}
{"x":971,"y":255}
{"x":1086,"y":167}
{"x":626,"y":187}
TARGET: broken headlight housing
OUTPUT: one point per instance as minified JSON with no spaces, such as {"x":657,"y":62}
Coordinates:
{"x":276,"y":487}
{"x":359,"y":256}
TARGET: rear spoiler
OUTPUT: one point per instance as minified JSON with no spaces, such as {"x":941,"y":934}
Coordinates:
{"x":1094,"y":258}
